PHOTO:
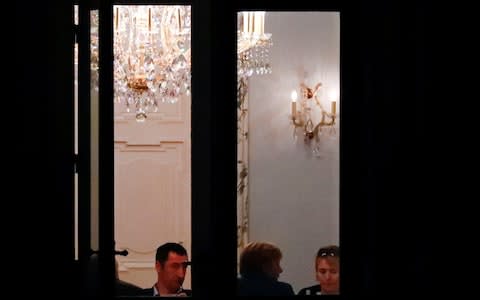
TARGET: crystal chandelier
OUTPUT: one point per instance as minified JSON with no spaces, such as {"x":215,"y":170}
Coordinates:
{"x":151,"y":56}
{"x":253,"y":44}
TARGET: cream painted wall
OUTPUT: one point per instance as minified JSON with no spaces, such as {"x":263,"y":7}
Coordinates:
{"x":152,"y":174}
{"x":294,"y":194}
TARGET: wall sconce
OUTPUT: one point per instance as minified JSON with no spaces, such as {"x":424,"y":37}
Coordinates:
{"x":302,"y":114}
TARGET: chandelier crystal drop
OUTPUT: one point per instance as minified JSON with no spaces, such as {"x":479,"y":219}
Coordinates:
{"x":253,"y":45}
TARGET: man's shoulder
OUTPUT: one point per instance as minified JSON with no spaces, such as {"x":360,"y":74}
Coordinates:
{"x":146,"y":292}
{"x":124,"y":288}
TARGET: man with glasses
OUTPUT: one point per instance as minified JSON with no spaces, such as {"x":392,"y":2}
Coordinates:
{"x":171,"y":262}
{"x":327,"y":270}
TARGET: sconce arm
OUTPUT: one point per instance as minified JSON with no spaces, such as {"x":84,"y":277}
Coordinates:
{"x":323,"y":122}
{"x":297,"y":122}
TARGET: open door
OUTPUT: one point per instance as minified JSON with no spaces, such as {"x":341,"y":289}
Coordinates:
{"x":94,"y":161}
{"x":134,"y":136}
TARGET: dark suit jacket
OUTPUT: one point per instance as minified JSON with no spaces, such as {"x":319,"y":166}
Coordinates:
{"x":310,"y":291}
{"x":123,"y":288}
{"x":261,"y":285}
{"x":149,"y":292}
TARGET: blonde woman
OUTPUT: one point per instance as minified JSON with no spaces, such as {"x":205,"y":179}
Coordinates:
{"x":259,"y":271}
{"x":327,"y":270}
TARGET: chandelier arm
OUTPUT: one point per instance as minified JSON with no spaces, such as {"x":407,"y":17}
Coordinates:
{"x":297,"y":122}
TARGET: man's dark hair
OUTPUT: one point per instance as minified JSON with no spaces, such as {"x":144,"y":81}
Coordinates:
{"x":163,"y":250}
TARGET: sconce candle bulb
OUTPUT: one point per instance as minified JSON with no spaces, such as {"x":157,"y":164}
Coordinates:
{"x":294,"y":103}
{"x":333,"y":96}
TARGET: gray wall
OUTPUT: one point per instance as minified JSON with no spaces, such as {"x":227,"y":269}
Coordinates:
{"x":294,"y":194}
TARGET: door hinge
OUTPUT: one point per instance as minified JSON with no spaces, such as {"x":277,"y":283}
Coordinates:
{"x":75,"y":163}
{"x":76,"y":32}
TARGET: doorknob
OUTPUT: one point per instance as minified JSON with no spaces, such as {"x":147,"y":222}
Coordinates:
{"x":122,"y":253}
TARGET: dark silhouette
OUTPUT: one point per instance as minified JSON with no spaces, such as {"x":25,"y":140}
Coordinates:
{"x":259,"y":271}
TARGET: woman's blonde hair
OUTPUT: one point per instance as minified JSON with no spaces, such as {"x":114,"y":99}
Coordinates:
{"x":258,"y":257}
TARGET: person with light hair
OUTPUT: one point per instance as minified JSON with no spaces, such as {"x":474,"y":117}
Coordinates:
{"x":259,"y":271}
{"x":327,"y":273}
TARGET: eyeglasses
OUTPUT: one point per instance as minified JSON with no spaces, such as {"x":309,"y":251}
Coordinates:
{"x":328,"y":252}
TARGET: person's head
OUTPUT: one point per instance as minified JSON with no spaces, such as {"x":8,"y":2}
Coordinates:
{"x":171,"y":261}
{"x":261,"y":258}
{"x":327,"y":269}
